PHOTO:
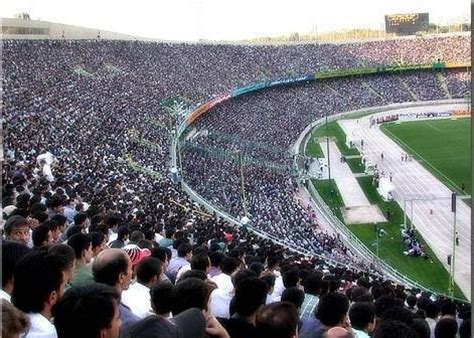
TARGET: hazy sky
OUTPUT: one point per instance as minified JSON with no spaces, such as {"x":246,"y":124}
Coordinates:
{"x":225,"y":19}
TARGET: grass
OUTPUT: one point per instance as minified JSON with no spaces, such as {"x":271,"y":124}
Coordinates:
{"x":442,"y":146}
{"x":313,"y":149}
{"x":330,"y":194}
{"x":355,"y":165}
{"x":334,"y":131}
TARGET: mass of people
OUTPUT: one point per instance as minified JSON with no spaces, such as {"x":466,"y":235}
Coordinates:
{"x":99,"y":241}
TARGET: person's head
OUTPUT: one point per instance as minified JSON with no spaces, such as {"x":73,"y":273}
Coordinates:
{"x":81,"y":220}
{"x":113,"y":267}
{"x":332,"y":309}
{"x":411,"y":301}
{"x":421,"y":327}
{"x":91,"y":310}
{"x":162,"y":255}
{"x":123,"y":233}
{"x":291,"y":278}
{"x":216,"y":258}
{"x":190,"y":293}
{"x":136,"y":254}
{"x":294,"y":296}
{"x":99,"y":242}
{"x":229,"y":265}
{"x":313,"y":283}
{"x":269,"y":279}
{"x":38,"y":282}
{"x":432,"y":310}
{"x":446,"y":328}
{"x":136,"y":236}
{"x":149,"y":271}
{"x":393,"y":329}
{"x":257,"y":267}
{"x":12,"y":252}
{"x":250,"y":295}
{"x":273,"y":263}
{"x":383,"y":303}
{"x":185,"y":250}
{"x":169,"y":233}
{"x":201,"y":262}
{"x":277,"y":320}
{"x":55,"y":230}
{"x":17,"y":229}
{"x":14,"y":322}
{"x":82,"y":246}
{"x":398,"y":313}
{"x":55,"y":203}
{"x":362,"y":316}
{"x":162,"y":298}
{"x":448,"y":308}
{"x":60,"y":220}
{"x":67,"y":256}
{"x":42,"y":236}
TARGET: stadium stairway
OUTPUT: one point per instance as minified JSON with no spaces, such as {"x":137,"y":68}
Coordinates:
{"x":442,"y":84}
{"x":373,"y":91}
{"x":408,"y":89}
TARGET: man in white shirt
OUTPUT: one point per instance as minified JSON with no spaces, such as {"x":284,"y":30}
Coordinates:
{"x":38,"y":285}
{"x":221,"y":297}
{"x":137,"y":297}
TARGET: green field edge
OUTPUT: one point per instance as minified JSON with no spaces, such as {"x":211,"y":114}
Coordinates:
{"x":429,"y":273}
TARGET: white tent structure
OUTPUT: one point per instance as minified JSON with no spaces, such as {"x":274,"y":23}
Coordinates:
{"x":385,"y":189}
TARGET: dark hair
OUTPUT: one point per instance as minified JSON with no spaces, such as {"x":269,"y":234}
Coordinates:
{"x":40,"y":235}
{"x":382,"y":303}
{"x":200,"y":262}
{"x":184,"y":249}
{"x":65,"y":254}
{"x":432,"y":310}
{"x":52,"y":225}
{"x":122,"y":231}
{"x":398,"y":313}
{"x":216,"y":258}
{"x":256,"y":267}
{"x":291,"y":278}
{"x":80,"y":218}
{"x":54,"y":202}
{"x":361,"y":314}
{"x":194,"y":274}
{"x":277,"y":320}
{"x":147,"y":268}
{"x":241,"y":276}
{"x":36,"y":276}
{"x":250,"y":294}
{"x":160,"y":253}
{"x":12,"y":252}
{"x":136,"y":236}
{"x":332,"y":308}
{"x":294,"y":296}
{"x":421,"y":327}
{"x":96,"y":238}
{"x":393,"y":329}
{"x":189,"y":293}
{"x":272,"y":262}
{"x":108,"y":272}
{"x":270,"y":279}
{"x":169,"y":232}
{"x":411,"y":301}
{"x":162,"y":297}
{"x":446,"y":328}
{"x":448,"y":308}
{"x":75,"y":229}
{"x":60,"y":219}
{"x":313,"y":283}
{"x":229,"y":265}
{"x":79,"y":242}
{"x":85,"y":310}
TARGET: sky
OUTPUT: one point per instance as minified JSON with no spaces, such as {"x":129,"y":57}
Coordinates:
{"x":229,"y":20}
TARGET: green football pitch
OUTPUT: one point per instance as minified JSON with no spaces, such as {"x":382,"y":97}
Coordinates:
{"x":442,"y":146}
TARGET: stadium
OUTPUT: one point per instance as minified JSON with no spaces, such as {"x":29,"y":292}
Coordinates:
{"x":251,"y":181}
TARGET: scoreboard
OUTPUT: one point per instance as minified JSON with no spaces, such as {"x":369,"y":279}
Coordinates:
{"x":406,"y":24}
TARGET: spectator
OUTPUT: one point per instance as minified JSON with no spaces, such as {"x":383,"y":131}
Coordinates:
{"x":46,"y":271}
{"x":12,"y":252}
{"x":162,"y":299}
{"x":432,"y":314}
{"x":223,"y":280}
{"x":250,"y":296}
{"x":184,"y":257}
{"x":465,"y":329}
{"x":393,"y":329}
{"x":277,"y":320}
{"x":362,"y":318}
{"x":82,"y":245}
{"x":446,"y":328}
{"x":294,"y":296}
{"x":42,"y":236}
{"x":99,"y":243}
{"x":191,"y":293}
{"x":269,"y":279}
{"x":312,"y":286}
{"x":88,"y":311}
{"x":216,"y":259}
{"x":137,"y":297}
{"x":113,"y":267}
{"x":122,"y":238}
{"x":17,"y":229}
{"x":167,"y":241}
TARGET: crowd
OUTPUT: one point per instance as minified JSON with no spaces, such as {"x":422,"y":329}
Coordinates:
{"x":91,"y":218}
